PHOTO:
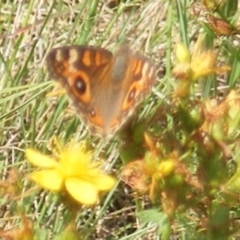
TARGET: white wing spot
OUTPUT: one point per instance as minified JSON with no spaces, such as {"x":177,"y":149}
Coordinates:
{"x":73,"y":56}
{"x":59,"y":56}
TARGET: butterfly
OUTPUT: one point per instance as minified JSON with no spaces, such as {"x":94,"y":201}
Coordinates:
{"x":105,"y":88}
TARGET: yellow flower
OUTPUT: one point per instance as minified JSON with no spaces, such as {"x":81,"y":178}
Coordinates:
{"x":198,"y":64}
{"x":73,"y":170}
{"x":182,"y":53}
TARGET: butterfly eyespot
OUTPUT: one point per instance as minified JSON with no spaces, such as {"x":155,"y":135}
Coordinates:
{"x":92,"y":113}
{"x":80,"y":85}
{"x":132,"y":94}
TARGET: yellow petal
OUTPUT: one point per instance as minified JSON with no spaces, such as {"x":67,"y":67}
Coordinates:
{"x":182,"y":53}
{"x":165,"y":167}
{"x":39,"y":159}
{"x":48,"y":179}
{"x":202,"y":68}
{"x":83,"y":192}
{"x":104,"y":182}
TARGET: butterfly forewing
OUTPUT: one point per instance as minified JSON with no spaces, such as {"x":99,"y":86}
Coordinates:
{"x":74,"y":67}
{"x":142,"y":75}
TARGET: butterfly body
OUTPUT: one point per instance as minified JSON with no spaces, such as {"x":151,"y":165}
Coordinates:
{"x":104,"y":88}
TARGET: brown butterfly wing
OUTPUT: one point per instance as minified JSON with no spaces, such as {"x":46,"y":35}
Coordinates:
{"x":134,"y":75}
{"x":79,"y":69}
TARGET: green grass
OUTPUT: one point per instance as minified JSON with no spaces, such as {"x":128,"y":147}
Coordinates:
{"x":28,"y":118}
